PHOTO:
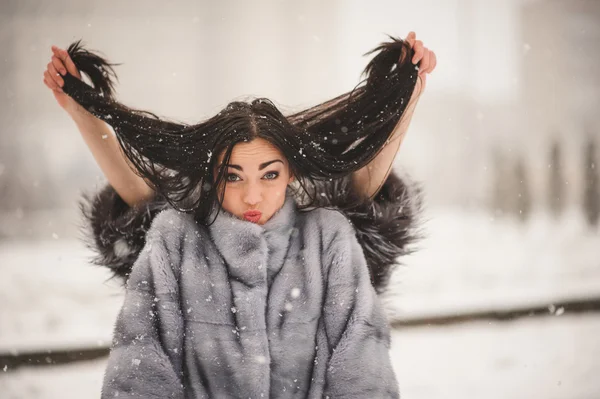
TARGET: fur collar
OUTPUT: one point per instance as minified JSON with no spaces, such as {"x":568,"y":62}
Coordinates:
{"x":251,"y":250}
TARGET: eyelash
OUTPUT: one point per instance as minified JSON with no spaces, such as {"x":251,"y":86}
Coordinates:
{"x":235,"y":181}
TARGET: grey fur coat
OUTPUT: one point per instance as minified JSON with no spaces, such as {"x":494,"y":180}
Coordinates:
{"x":238,"y":310}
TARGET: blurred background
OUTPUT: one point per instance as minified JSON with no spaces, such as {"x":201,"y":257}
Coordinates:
{"x":502,"y":298}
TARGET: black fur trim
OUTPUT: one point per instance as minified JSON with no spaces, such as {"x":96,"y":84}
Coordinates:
{"x":385,"y":226}
{"x":114,"y":231}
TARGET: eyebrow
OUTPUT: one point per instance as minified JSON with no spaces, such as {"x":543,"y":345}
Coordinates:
{"x":260,"y":167}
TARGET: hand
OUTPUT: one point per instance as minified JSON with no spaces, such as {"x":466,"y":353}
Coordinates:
{"x":56,"y":68}
{"x":425,"y":56}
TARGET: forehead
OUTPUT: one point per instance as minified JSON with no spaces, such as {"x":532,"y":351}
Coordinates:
{"x":254,"y":152}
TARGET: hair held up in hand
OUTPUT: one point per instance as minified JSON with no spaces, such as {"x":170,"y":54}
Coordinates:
{"x":326,"y":142}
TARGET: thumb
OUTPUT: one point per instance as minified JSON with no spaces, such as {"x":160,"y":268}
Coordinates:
{"x":423,"y":79}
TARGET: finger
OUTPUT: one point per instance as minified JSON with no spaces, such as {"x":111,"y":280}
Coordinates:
{"x":432,"y":61}
{"x":424,"y":61}
{"x":60,"y":67}
{"x":418,"y":51}
{"x":51,"y":83}
{"x":67,"y":61}
{"x":410,"y":39}
{"x":46,"y":83}
{"x":55,"y":75}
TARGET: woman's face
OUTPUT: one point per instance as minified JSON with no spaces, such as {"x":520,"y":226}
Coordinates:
{"x":255,"y":181}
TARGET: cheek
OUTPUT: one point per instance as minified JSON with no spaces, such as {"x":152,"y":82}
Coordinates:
{"x":278,"y":186}
{"x":275,"y":194}
{"x":231,"y":200}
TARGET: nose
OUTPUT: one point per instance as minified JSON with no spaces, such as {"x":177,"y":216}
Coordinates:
{"x":253,"y":194}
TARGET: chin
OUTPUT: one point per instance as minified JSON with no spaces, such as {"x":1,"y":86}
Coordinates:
{"x":264,"y":219}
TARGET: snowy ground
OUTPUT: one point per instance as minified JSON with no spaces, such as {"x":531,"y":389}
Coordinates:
{"x":50,"y":298}
{"x":472,"y":262}
{"x":550,"y":358}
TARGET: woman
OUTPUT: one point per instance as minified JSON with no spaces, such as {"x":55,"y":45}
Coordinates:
{"x":247,"y":286}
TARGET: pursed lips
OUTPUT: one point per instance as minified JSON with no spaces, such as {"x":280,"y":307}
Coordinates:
{"x":253,"y":216}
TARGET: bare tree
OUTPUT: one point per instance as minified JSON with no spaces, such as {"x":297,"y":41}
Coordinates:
{"x":501,"y":187}
{"x":522,"y":201}
{"x":556,"y":200}
{"x":591,"y":195}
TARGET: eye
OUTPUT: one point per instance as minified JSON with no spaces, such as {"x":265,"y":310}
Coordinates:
{"x":231,"y":177}
{"x":271,"y":175}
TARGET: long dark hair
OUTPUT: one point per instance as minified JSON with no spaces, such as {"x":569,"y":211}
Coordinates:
{"x":326,"y":142}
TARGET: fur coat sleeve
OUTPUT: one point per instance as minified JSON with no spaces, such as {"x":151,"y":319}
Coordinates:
{"x":357,"y":330}
{"x":385,"y":226}
{"x":145,"y":358}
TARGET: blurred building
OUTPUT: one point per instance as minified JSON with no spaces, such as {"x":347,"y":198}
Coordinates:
{"x":560,"y":90}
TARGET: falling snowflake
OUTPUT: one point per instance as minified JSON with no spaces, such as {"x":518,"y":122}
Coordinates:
{"x":260,"y":359}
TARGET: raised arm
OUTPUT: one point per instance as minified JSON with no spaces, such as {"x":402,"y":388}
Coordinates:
{"x":114,"y":165}
{"x":369,"y":179}
{"x":99,"y":138}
